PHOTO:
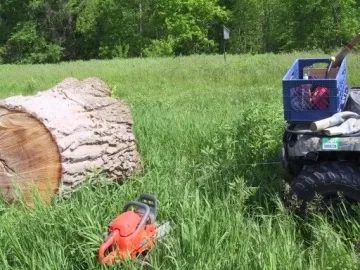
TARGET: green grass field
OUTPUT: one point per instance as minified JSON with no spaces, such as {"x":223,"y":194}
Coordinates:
{"x":199,"y":123}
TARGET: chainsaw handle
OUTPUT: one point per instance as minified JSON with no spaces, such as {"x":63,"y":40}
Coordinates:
{"x":145,"y":213}
{"x":105,"y":246}
{"x":151,"y":201}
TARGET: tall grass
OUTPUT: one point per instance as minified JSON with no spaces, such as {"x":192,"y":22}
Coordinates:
{"x":200,"y":123}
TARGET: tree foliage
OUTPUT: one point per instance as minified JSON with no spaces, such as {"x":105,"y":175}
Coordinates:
{"x":39,"y":31}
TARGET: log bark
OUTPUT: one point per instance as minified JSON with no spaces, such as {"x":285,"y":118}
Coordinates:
{"x":50,"y":140}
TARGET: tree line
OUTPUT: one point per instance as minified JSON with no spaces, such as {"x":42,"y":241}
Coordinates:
{"x":48,"y":31}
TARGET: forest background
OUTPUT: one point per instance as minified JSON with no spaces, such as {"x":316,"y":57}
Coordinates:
{"x":50,"y":31}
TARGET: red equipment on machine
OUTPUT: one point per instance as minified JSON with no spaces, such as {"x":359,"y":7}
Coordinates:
{"x":133,"y":232}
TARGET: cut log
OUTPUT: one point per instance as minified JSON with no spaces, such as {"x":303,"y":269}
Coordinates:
{"x":49,"y":141}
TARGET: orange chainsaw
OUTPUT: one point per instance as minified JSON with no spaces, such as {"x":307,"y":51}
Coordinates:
{"x":133,"y":233}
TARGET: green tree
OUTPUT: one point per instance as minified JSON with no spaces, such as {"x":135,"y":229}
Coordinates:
{"x":247,"y":27}
{"x":324,"y":24}
{"x":277,"y":25}
{"x":26,"y":45}
{"x":261,"y":26}
{"x":186,"y":24}
{"x":23,"y":39}
{"x":56,"y":21}
{"x":109,"y":28}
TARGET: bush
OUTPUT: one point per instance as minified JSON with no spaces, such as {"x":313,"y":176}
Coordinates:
{"x":26,"y":45}
{"x":50,"y":53}
{"x":160,"y":48}
{"x":118,"y":51}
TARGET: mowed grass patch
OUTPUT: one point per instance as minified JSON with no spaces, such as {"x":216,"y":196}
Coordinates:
{"x":200,"y":123}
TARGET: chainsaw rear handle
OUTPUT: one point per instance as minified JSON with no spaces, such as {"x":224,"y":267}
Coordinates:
{"x":145,"y":213}
{"x":148,"y":199}
{"x":106,"y":245}
{"x":151,"y":201}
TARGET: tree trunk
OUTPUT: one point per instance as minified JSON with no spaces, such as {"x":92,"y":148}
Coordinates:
{"x":50,"y":140}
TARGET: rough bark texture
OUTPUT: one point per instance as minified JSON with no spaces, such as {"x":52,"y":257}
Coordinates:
{"x":90,"y":128}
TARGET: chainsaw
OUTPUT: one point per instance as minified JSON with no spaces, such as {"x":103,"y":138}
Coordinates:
{"x":133,"y":233}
